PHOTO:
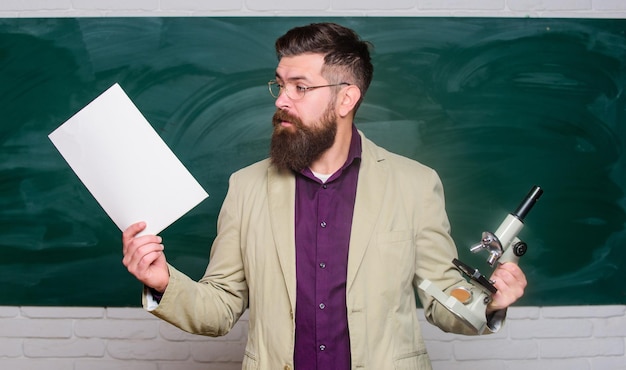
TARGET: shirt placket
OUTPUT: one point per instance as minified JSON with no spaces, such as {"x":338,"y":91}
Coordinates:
{"x":324,"y":207}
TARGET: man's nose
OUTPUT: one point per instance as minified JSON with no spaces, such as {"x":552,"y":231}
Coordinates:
{"x":283,"y":100}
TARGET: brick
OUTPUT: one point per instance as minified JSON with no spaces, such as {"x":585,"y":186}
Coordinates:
{"x":542,"y":5}
{"x":195,"y":5}
{"x":469,"y":365}
{"x":102,"y":364}
{"x":10,"y":347}
{"x":265,"y":5}
{"x":116,"y":329}
{"x":9,"y":311}
{"x":63,"y":312}
{"x":610,"y":327}
{"x":59,"y":13}
{"x":609,"y":363}
{"x":607,"y":311}
{"x":591,"y":347}
{"x":148,"y":350}
{"x":21,"y":5}
{"x":504,"y":350}
{"x":37,"y":364}
{"x":439,"y":350}
{"x":35,"y":328}
{"x":609,"y":5}
{"x":393,"y":5}
{"x":551,"y":328}
{"x":196,"y":366}
{"x":129,"y":313}
{"x":218,"y":351}
{"x":75,"y":347}
{"x":515,"y":313}
{"x":583,"y":311}
{"x":564,"y":364}
{"x":460,"y":5}
{"x":116,"y":4}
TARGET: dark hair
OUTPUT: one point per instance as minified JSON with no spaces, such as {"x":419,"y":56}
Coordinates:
{"x":346,"y":56}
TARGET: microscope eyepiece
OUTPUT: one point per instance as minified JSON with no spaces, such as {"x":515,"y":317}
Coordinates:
{"x":528,"y":203}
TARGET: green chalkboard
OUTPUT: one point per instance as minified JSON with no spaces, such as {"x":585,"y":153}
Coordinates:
{"x":495,"y":105}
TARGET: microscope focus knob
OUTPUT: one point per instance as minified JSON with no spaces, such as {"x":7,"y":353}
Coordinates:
{"x":519,"y":249}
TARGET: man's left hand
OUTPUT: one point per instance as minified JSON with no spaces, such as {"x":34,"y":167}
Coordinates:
{"x":510,"y":281}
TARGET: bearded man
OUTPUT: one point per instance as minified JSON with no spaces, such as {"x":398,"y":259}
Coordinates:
{"x":326,"y":241}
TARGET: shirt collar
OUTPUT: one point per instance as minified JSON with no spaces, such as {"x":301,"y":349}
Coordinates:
{"x":355,"y":147}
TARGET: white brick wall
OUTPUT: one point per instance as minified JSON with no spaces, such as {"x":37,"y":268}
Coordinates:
{"x":51,"y":338}
{"x":498,"y":8}
{"x":67,"y":338}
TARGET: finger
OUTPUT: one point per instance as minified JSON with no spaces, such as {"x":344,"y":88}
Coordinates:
{"x":510,"y":282}
{"x":148,"y":259}
{"x":511,"y":274}
{"x":138,"y":247}
{"x":131,"y":242}
{"x":512,"y":268}
{"x":129,"y":234}
{"x":141,"y":266}
{"x":141,"y":258}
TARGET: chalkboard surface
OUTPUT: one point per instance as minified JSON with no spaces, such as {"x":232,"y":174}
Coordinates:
{"x":495,"y":105}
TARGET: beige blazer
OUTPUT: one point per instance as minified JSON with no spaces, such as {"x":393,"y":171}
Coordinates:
{"x":400,"y":235}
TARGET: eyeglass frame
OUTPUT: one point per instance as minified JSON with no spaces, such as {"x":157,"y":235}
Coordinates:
{"x":303,"y":89}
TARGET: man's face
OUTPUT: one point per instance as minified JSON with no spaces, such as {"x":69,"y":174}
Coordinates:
{"x":303,"y":128}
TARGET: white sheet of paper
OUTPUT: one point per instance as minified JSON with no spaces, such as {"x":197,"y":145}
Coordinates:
{"x":125,"y":164}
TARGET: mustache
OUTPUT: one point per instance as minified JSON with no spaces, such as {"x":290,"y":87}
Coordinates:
{"x":284,"y":116}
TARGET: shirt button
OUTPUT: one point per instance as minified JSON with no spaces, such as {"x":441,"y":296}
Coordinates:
{"x":322,"y":306}
{"x":322,"y":265}
{"x":323,"y":224}
{"x":322,"y":347}
{"x":325,"y":186}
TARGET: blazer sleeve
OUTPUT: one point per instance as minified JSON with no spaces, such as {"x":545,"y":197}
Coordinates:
{"x":212,"y":305}
{"x":435,"y":251}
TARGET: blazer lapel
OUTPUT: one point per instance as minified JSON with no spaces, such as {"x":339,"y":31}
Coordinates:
{"x":281,"y":190}
{"x":369,"y":196}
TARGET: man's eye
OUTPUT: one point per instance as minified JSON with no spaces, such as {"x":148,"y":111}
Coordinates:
{"x":301,"y":88}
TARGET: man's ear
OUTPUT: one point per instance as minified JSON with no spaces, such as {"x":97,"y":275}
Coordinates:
{"x":349,"y":96}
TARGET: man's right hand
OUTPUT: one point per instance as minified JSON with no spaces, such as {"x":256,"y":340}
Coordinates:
{"x":144,"y":257}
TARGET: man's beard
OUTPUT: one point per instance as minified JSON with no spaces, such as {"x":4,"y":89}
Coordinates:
{"x":296,"y":147}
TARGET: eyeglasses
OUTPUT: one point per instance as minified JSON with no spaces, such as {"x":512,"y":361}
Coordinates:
{"x":295,"y":92}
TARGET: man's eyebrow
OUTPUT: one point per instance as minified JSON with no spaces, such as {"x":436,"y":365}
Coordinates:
{"x":293,"y":79}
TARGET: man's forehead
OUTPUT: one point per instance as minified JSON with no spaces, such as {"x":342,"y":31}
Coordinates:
{"x":300,"y":67}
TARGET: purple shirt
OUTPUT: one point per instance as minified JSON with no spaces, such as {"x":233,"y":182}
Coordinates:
{"x":322,"y":227}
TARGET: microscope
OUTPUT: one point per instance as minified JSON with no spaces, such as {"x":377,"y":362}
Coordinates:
{"x":502,"y":246}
